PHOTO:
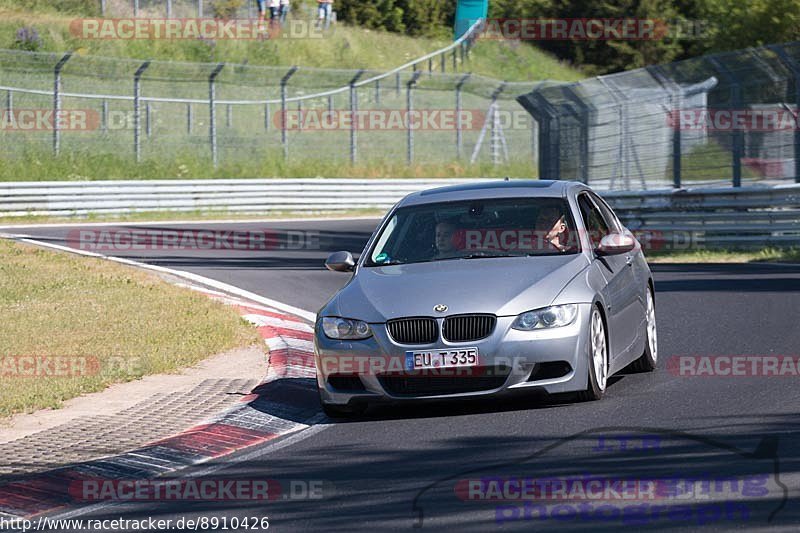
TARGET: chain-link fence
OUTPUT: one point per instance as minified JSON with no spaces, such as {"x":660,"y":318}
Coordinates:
{"x":726,"y":119}
{"x":427,"y":111}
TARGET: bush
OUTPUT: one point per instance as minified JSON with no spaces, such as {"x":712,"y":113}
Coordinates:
{"x":27,"y":39}
{"x":226,"y":9}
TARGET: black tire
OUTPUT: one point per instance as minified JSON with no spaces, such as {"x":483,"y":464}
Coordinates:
{"x":648,"y":360}
{"x":593,"y":391}
{"x":343,"y":411}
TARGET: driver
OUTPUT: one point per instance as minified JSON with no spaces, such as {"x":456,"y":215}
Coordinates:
{"x":445,"y":247}
{"x":551,"y":228}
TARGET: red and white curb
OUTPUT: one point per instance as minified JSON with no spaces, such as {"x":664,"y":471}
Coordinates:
{"x":286,"y":402}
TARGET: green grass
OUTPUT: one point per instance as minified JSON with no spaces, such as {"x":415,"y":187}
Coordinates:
{"x":119,"y":322}
{"x":779,"y":255}
{"x":344,"y":47}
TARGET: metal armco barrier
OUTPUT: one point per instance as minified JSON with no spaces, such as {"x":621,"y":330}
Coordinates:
{"x":734,"y":218}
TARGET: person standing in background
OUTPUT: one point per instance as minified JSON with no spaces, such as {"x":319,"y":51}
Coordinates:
{"x":262,"y":8}
{"x":285,"y":7}
{"x":274,"y":17}
{"x":325,"y":10}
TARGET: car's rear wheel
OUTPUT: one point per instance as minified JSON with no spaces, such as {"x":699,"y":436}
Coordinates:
{"x":598,"y":359}
{"x":648,"y":360}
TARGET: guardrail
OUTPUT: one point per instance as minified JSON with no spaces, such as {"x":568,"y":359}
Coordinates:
{"x":734,"y":217}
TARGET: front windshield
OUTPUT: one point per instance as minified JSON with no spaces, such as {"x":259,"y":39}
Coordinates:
{"x":476,"y":229}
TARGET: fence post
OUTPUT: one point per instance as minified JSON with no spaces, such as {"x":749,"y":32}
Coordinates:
{"x":455,"y":60}
{"x":266,"y":117}
{"x":57,"y":101}
{"x":10,"y":102}
{"x":444,"y":62}
{"x":299,"y":115}
{"x":397,"y":78}
{"x":459,"y":125}
{"x":548,"y":137}
{"x":378,"y":91}
{"x":330,"y":103}
{"x":199,"y":9}
{"x":229,"y":116}
{"x":212,"y":124}
{"x":583,"y":116}
{"x":409,"y":108}
{"x":795,"y":68}
{"x":284,"y":136}
{"x":103,"y":7}
{"x":675,"y":107}
{"x":735,"y":104}
{"x":495,"y":138}
{"x":137,"y":112}
{"x":147,"y":117}
{"x":189,"y":118}
{"x":104,"y":116}
{"x":169,"y":9}
{"x":353,"y":119}
{"x":135,"y":8}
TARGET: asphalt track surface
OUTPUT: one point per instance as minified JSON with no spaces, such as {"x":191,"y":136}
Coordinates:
{"x":401,"y":468}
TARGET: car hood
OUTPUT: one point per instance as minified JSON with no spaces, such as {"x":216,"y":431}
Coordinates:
{"x":501,"y":286}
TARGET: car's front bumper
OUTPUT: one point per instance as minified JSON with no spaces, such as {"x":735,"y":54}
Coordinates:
{"x":525,"y":353}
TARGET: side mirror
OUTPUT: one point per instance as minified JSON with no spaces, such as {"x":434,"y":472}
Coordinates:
{"x":615,"y":244}
{"x":340,"y":262}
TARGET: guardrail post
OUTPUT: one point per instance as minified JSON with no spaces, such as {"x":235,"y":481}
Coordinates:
{"x":137,"y":111}
{"x":459,"y":125}
{"x":57,"y":102}
{"x":353,"y":118}
{"x":212,"y":125}
{"x":189,"y":118}
{"x":409,"y":109}
{"x":284,"y":136}
{"x":795,"y":68}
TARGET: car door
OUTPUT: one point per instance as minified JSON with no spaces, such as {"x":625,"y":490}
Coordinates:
{"x":620,"y":290}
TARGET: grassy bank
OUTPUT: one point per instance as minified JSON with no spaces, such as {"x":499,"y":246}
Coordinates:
{"x":90,"y":323}
{"x":342,"y":47}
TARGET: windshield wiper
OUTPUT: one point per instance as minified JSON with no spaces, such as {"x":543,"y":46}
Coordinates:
{"x":481,"y":255}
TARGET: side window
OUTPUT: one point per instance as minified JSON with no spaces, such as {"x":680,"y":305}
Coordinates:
{"x":608,"y":215}
{"x":593,"y":220}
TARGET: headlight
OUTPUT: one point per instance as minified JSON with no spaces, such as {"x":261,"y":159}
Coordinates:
{"x":548,"y":317}
{"x":345,"y":328}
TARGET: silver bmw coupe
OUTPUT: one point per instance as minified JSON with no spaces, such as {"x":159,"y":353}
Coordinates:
{"x":483,"y":290}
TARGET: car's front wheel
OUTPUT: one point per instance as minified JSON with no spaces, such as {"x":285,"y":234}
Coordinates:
{"x":343,"y":411}
{"x":598,"y":359}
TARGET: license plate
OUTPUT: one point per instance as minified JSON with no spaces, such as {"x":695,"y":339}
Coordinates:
{"x":441,"y":358}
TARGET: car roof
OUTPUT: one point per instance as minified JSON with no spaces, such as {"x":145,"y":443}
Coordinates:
{"x":494,"y":189}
